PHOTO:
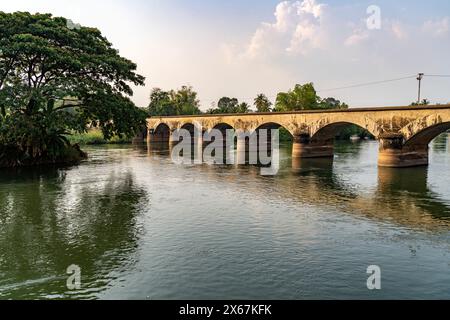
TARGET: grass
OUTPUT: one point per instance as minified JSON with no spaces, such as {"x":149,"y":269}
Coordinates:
{"x":95,"y":137}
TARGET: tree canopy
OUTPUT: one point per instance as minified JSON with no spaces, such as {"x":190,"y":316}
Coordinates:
{"x":262,"y":103}
{"x":171,"y":103}
{"x":56,"y":79}
{"x":229,"y":105}
{"x":304,"y":97}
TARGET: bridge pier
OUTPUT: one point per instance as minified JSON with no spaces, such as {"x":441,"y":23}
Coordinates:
{"x":157,"y":138}
{"x":141,"y":137}
{"x":394,"y":154}
{"x":246,"y":147}
{"x":172,"y":141}
{"x":404,"y":132}
{"x":264,"y":141}
{"x":303,"y":147}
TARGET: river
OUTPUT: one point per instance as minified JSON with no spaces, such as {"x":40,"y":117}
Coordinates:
{"x":141,"y":227}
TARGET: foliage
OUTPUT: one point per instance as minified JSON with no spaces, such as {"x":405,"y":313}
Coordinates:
{"x":33,"y":140}
{"x":353,"y":130}
{"x":161,"y":104}
{"x":55,"y":80}
{"x":170,"y":103}
{"x":262,"y":103}
{"x":225,"y":105}
{"x":285,"y":135}
{"x":243,"y":107}
{"x":94,"y":137}
{"x":332,"y":103}
{"x":229,"y":105}
{"x":304,"y":97}
{"x":424,"y":102}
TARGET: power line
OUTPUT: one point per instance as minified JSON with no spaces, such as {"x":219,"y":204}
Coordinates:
{"x":351,"y":86}
{"x":338,"y":88}
{"x":368,"y":84}
{"x":438,"y":75}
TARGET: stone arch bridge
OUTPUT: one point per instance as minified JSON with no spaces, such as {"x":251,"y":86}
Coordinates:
{"x":404,"y":133}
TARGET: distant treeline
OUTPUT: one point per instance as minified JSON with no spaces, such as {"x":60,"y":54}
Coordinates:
{"x":184,"y":101}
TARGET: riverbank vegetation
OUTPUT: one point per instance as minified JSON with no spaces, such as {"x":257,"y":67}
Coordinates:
{"x":63,"y":85}
{"x":301,"y":97}
{"x":57,"y":79}
{"x":96,"y":137}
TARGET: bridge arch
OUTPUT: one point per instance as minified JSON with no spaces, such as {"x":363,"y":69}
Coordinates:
{"x":287,"y":135}
{"x":329,"y":132}
{"x":403,"y":132}
{"x":162,"y":127}
{"x":272,"y":125}
{"x":210,"y":124}
{"x":222,"y":126}
{"x":188,"y":126}
{"x":319,"y":143}
{"x":191,"y":127}
{"x":161,"y":133}
{"x":424,"y":137}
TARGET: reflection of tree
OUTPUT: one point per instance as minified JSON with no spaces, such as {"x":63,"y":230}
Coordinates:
{"x":402,"y":195}
{"x":408,"y":186}
{"x":48,"y":222}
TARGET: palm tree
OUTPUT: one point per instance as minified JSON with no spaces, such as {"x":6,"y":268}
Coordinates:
{"x":262,"y":103}
{"x":243,"y":107}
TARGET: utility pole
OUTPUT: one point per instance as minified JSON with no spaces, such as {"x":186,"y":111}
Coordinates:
{"x":419,"y":78}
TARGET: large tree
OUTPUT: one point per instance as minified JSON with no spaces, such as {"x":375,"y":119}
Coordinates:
{"x":229,"y":105}
{"x":57,"y":78}
{"x":161,"y":103}
{"x":304,"y":97}
{"x":185,"y":100}
{"x":332,"y":103}
{"x":170,"y":103}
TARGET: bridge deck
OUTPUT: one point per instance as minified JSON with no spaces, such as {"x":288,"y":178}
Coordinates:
{"x":327,"y":111}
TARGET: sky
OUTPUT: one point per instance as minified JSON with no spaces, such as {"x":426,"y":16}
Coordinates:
{"x":240,"y":48}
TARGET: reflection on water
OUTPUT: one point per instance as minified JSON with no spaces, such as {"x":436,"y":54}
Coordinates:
{"x":402,"y":195}
{"x":52,"y":218}
{"x":142,"y":227}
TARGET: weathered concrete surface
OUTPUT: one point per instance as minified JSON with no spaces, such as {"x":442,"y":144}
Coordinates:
{"x":404,"y":132}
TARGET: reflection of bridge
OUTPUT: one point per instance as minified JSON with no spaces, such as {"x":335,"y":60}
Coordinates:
{"x":400,"y":196}
{"x":404,"y":133}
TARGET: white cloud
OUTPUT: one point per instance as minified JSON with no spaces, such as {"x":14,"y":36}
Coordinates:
{"x":357,"y":37}
{"x":284,"y":13}
{"x":296,"y":29}
{"x":398,"y":30}
{"x":330,"y":45}
{"x":310,"y":6}
{"x":360,"y":34}
{"x":305,"y":37}
{"x":437,"y":28}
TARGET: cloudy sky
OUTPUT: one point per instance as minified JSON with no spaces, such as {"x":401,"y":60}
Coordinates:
{"x":241,"y":48}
